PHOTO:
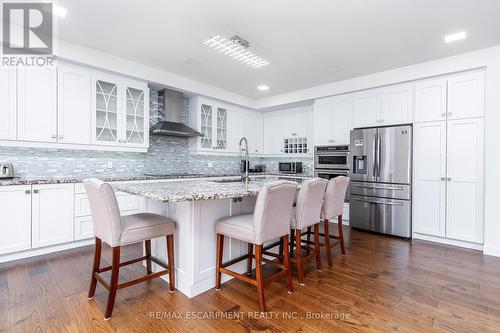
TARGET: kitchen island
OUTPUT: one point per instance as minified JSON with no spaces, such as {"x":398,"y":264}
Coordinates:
{"x":195,"y":205}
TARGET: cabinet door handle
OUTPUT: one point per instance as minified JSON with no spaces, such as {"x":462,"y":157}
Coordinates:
{"x":443,"y":115}
{"x":54,"y":136}
{"x":449,"y":179}
{"x":27,"y":192}
{"x":35,"y":191}
{"x":443,"y":179}
{"x":449,"y":114}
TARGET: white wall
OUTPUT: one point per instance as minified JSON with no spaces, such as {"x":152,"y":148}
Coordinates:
{"x":487,"y":58}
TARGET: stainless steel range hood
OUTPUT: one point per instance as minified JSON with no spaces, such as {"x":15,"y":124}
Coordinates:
{"x":171,"y":122}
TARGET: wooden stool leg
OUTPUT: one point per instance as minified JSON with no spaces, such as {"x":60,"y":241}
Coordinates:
{"x":218,"y":264}
{"x":147,"y":248}
{"x":326,"y":231}
{"x":298,"y":256}
{"x":286,"y":259}
{"x":115,"y":271}
{"x":308,"y":239}
{"x":260,"y":277}
{"x":95,"y":268}
{"x":316,"y":246}
{"x":171,"y":262}
{"x":250,"y":258}
{"x":280,"y":251}
{"x":341,"y":235}
{"x":292,"y":241}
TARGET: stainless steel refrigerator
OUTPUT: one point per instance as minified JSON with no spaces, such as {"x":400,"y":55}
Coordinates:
{"x":381,"y":170}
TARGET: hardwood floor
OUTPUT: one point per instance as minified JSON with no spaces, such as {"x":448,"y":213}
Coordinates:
{"x":382,"y":284}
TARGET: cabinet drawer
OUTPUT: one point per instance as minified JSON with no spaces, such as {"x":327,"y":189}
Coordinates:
{"x":84,"y":228}
{"x":126,"y":202}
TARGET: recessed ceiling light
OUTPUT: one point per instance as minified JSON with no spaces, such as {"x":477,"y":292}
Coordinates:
{"x":60,"y":11}
{"x":263,"y":87}
{"x":455,"y":37}
{"x":236,"y":48}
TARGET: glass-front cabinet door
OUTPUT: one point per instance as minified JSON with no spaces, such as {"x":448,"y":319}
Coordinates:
{"x":135,"y":117}
{"x":221,"y":128}
{"x":105,"y":124}
{"x":120,"y":112}
{"x":206,"y":126}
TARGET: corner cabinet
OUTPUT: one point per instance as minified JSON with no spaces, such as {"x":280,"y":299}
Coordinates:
{"x":120,"y":111}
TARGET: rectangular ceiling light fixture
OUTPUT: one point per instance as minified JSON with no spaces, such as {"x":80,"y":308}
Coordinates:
{"x":455,"y":37}
{"x":236,"y":48}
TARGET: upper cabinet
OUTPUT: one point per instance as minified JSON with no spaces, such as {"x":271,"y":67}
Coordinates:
{"x":74,"y":103}
{"x":222,"y":126}
{"x":8,"y":102}
{"x":289,"y":132}
{"x":396,"y":105}
{"x":366,"y":108}
{"x":37,"y":104}
{"x":332,"y":118}
{"x":456,"y":97}
{"x":120,"y":110}
{"x":466,"y":96}
{"x":385,"y":106}
{"x":430,"y":100}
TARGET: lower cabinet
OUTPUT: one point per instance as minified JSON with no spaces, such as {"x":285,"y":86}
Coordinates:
{"x":83,"y":228}
{"x":52,"y":214}
{"x":15,"y":221}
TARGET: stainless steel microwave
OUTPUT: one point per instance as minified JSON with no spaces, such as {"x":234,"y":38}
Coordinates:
{"x":290,"y":167}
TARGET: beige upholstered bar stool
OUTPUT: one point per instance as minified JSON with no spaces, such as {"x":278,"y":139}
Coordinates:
{"x":306,"y":214}
{"x":117,"y":231}
{"x":333,"y":205}
{"x":270,"y":221}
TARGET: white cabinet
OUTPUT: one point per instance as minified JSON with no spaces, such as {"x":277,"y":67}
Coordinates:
{"x":429,"y":197}
{"x":332,"y":120}
{"x":37,"y":103}
{"x":273,"y":134}
{"x":222,"y":126}
{"x":396,"y":105}
{"x":289,"y":131}
{"x":456,"y":97}
{"x":252,"y":129}
{"x":15,"y":218}
{"x":52,"y":214}
{"x":74,"y":103}
{"x":448,"y":179}
{"x":323,"y":122}
{"x":134,"y":120}
{"x":466,"y":96}
{"x":120,"y":111}
{"x":8,"y":103}
{"x":366,"y":108}
{"x":465,"y":180}
{"x":342,"y":119}
{"x":430,"y":100}
{"x":210,"y":118}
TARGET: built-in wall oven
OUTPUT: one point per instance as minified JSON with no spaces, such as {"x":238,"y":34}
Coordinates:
{"x":331,"y":162}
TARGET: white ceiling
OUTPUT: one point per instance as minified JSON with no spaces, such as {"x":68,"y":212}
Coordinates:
{"x":308,"y":43}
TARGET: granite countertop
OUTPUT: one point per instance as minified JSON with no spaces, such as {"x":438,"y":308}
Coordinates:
{"x":200,"y":189}
{"x":81,"y":178}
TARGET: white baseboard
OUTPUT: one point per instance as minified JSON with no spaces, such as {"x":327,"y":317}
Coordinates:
{"x":447,"y":241}
{"x":492,"y":251}
{"x":44,"y":250}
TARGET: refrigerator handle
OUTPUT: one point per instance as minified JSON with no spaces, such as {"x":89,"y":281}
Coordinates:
{"x":375,"y":155}
{"x":379,"y":154}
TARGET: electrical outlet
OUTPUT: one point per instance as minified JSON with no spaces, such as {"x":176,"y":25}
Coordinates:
{"x":109,"y":165}
{"x":210,"y":164}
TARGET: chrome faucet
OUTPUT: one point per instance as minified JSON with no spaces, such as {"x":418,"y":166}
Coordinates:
{"x":245,"y":177}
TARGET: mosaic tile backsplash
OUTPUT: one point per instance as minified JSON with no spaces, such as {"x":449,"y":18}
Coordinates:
{"x":166,"y":155}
